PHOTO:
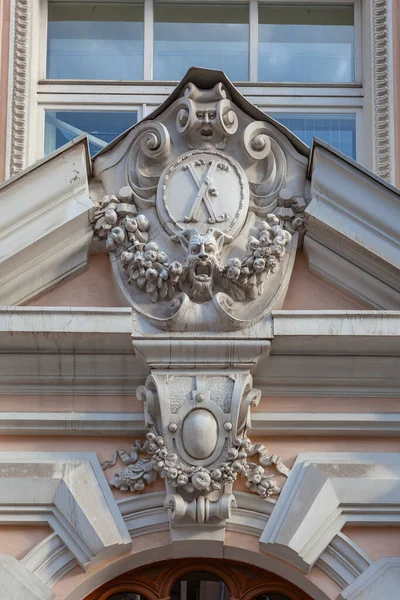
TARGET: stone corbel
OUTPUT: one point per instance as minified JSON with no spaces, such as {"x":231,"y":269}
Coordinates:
{"x":197,"y":401}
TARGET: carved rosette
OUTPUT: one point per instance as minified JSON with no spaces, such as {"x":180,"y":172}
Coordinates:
{"x":203,"y":213}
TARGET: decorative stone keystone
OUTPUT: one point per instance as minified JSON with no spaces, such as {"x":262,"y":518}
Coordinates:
{"x":198,"y":421}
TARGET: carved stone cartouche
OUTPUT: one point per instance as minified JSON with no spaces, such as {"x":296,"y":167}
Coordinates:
{"x":204,"y":205}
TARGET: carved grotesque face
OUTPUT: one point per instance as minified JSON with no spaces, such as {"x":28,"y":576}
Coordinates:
{"x":205,"y":122}
{"x":202,"y":261}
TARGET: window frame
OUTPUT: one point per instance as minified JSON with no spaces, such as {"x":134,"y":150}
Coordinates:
{"x":143,"y":96}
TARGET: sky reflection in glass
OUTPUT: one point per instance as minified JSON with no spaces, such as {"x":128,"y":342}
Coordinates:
{"x":338,"y":130}
{"x":96,"y":41}
{"x":306,"y":44}
{"x":102,"y":126}
{"x":201,"y":36}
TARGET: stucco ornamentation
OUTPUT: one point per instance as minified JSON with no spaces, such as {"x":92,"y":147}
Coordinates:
{"x":198,"y":443}
{"x":204,"y":206}
{"x":140,"y":472}
{"x":200,"y":272}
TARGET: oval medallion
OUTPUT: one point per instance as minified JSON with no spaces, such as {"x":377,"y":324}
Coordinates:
{"x":202,"y":189}
{"x":199,"y":434}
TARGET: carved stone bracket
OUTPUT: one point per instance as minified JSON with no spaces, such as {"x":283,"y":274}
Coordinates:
{"x":197,"y":401}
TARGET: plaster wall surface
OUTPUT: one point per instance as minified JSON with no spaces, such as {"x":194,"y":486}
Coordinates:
{"x":18,"y":540}
{"x":377,"y":542}
{"x":95,"y":287}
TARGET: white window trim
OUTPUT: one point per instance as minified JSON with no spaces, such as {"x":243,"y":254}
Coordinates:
{"x":29,"y":98}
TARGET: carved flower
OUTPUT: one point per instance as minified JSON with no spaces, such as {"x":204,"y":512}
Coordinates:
{"x":272,"y":263}
{"x":151,"y":274}
{"x":201,"y":480}
{"x":238,"y":466}
{"x":259,"y":265}
{"x":235,"y":263}
{"x":150,"y":255}
{"x":175,"y":268}
{"x":152,"y":246}
{"x":110,"y":216}
{"x":232,"y":453}
{"x":233,"y":273}
{"x":171,"y":472}
{"x":182,"y":480}
{"x":130,"y":224}
{"x":216,"y":474}
{"x":162,"y":257}
{"x":272,"y":219}
{"x":142,"y":222}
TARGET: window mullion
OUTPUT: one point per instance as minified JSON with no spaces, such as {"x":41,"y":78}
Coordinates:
{"x":148,"y":40}
{"x":253,"y":49}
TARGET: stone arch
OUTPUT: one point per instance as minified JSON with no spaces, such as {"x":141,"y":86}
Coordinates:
{"x":194,"y":550}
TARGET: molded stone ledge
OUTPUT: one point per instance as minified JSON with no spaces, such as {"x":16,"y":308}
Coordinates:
{"x":322,"y":494}
{"x":18,"y":583}
{"x":354,"y":215}
{"x":45,"y":228}
{"x":69,"y":492}
{"x":380,"y":580}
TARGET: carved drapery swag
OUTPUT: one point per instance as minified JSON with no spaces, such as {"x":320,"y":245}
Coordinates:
{"x":202,"y":217}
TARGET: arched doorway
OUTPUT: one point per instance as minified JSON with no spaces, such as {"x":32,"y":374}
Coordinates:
{"x":198,"y":579}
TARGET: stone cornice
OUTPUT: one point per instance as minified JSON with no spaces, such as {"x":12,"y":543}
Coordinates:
{"x":352,"y":227}
{"x":262,"y":424}
{"x":46,"y":236}
{"x":89,"y":351}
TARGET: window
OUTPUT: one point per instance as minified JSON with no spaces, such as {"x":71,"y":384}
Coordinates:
{"x":192,"y":34}
{"x":94,"y":41}
{"x":306,"y":43}
{"x":200,"y":586}
{"x":101,"y":126}
{"x":338,"y":130}
{"x":109,"y":64}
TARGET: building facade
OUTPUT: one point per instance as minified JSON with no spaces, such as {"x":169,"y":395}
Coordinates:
{"x":200,"y":292}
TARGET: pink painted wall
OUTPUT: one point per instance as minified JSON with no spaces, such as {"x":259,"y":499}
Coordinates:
{"x":376,"y":542}
{"x":18,"y":540}
{"x":95,"y":287}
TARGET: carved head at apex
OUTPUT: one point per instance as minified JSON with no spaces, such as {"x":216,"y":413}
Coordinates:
{"x":206,"y":117}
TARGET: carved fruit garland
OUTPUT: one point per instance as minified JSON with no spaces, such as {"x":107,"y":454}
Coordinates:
{"x":126,"y":234}
{"x":140,"y":472}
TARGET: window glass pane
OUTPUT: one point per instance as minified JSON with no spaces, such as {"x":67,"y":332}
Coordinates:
{"x":213,"y":36}
{"x":200,"y":586}
{"x":337,"y":130}
{"x":306,"y":43}
{"x":95,"y":41}
{"x":62,"y":127}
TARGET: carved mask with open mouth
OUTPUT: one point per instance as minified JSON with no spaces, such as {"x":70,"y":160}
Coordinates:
{"x":202,"y":262}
